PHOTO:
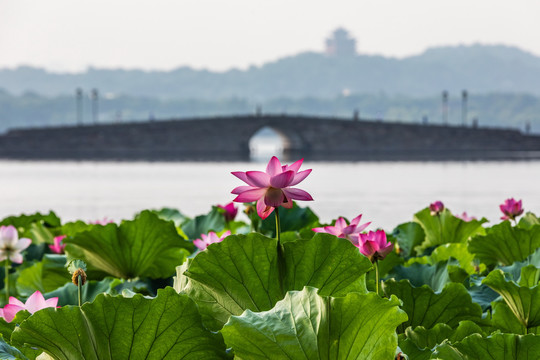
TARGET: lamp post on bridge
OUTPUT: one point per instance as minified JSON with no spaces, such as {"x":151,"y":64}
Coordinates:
{"x":95,"y":106}
{"x":79,"y":105}
{"x":464,"y":98}
{"x":445,"y":107}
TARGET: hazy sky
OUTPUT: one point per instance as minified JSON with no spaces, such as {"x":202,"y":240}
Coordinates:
{"x":69,"y":35}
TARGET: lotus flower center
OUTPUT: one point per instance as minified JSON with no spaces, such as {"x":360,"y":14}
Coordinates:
{"x":274,"y":197}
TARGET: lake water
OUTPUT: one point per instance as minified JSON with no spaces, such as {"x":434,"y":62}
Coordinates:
{"x":387,"y":193}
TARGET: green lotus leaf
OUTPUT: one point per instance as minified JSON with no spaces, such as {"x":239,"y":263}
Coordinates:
{"x":68,"y":294}
{"x":503,"y":319}
{"x":418,"y":343}
{"x":167,"y":327}
{"x":528,"y":220}
{"x":305,"y":325}
{"x":331,"y":264}
{"x":71,"y":228}
{"x":409,"y":236}
{"x":24,"y":221}
{"x":530,"y":275}
{"x":445,"y":228}
{"x":250,"y":272}
{"x":523,"y":301}
{"x":427,"y":308}
{"x":6,"y":328}
{"x":293,"y":219}
{"x":504,"y":244}
{"x":8,"y":352}
{"x":173,"y":215}
{"x":459,"y":252}
{"x":481,"y":293}
{"x":435,"y":276}
{"x":495,"y":347}
{"x":144,"y":247}
{"x":203,"y":224}
{"x":46,"y":275}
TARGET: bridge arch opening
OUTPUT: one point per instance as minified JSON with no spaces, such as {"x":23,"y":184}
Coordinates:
{"x":268,"y":142}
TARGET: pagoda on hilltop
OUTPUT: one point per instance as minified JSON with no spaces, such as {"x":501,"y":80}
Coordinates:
{"x":340,"y":44}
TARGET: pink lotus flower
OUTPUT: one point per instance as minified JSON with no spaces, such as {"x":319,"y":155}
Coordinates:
{"x":374,"y":245}
{"x":10,"y":244}
{"x":511,"y":209}
{"x":436,"y":208}
{"x":465,"y":217}
{"x":103,"y":221}
{"x":58,"y":247}
{"x":342,"y":230}
{"x":211,"y":238}
{"x":272,"y":188}
{"x":230,"y":211}
{"x":35,"y":302}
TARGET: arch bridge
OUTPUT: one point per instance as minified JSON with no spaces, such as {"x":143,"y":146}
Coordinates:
{"x":227,"y":138}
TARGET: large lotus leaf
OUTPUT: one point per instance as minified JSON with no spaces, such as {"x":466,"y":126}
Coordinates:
{"x":389,"y":263}
{"x":459,"y":252}
{"x":331,"y":264}
{"x":68,"y":294}
{"x":167,"y":327}
{"x":171,"y":215}
{"x":239,"y":273}
{"x":435,"y":276}
{"x":503,"y":319}
{"x":481,"y":293}
{"x":445,"y":228}
{"x":427,"y":308}
{"x":72,"y":228}
{"x":514,"y":271}
{"x":144,"y":247}
{"x":505,"y":244}
{"x":46,"y":275}
{"x":495,"y":347}
{"x":24,"y":221}
{"x":6,"y":328}
{"x":293,"y":219}
{"x":418,"y":343}
{"x":530,"y":275}
{"x":305,"y":325}
{"x":250,"y":272}
{"x":8,"y":352}
{"x":203,"y":224}
{"x":523,"y":301}
{"x":528,"y":221}
{"x":409,"y":236}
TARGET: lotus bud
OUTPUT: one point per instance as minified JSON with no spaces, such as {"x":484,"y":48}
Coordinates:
{"x":75,"y":277}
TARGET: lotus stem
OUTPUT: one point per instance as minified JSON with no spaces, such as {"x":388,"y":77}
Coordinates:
{"x":79,"y":287}
{"x":6,"y":281}
{"x":278,"y":227}
{"x":377,"y":276}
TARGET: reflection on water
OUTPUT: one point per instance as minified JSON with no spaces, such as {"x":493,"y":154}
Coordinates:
{"x":386,"y":193}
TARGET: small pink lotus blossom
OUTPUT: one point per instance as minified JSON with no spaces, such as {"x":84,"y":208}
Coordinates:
{"x":511,"y":209}
{"x":103,"y":221}
{"x":436,"y":208}
{"x":342,"y":230}
{"x":211,"y":238}
{"x":230,"y":211}
{"x":10,"y":244}
{"x":465,"y":217}
{"x":272,"y":188}
{"x":35,"y":302}
{"x":58,"y":247}
{"x":374,"y":245}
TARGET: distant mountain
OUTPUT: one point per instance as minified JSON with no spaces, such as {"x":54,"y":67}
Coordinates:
{"x":477,"y":68}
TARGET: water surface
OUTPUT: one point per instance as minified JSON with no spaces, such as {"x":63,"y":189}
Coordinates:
{"x":387,"y":193}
